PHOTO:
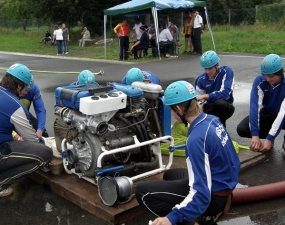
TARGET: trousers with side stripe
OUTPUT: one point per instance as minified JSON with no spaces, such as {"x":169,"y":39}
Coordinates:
{"x":160,"y":196}
{"x":18,"y":159}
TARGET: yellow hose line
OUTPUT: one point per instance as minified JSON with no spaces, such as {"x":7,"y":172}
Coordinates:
{"x":101,"y":72}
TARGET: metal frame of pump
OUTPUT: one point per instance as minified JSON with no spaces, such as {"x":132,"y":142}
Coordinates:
{"x":100,"y":171}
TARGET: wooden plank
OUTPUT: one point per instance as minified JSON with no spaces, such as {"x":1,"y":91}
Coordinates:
{"x":250,"y":158}
{"x":85,"y":194}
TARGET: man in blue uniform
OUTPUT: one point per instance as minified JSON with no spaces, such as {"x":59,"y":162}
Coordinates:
{"x":61,"y":128}
{"x":33,"y":96}
{"x":135,"y":74}
{"x":18,"y":158}
{"x":202,"y":192}
{"x":215,"y":87}
{"x":267,"y":105}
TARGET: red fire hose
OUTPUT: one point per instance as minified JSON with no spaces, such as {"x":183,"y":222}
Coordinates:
{"x":258,"y":193}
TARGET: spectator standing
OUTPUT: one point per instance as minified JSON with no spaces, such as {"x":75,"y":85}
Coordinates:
{"x":46,"y":38}
{"x":196,"y":33}
{"x":215,"y":86}
{"x":123,"y":31}
{"x":135,"y":74}
{"x":152,"y":34}
{"x":14,"y":163}
{"x":65,"y":34}
{"x":202,"y":192}
{"x":166,"y":23}
{"x":176,"y":38}
{"x":57,"y":36}
{"x":141,"y":44}
{"x":136,"y":29}
{"x":187,"y":30}
{"x":267,"y":106}
{"x":85,"y":36}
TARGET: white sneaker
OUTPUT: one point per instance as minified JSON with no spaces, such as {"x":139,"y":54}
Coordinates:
{"x":66,"y":53}
{"x":6,"y":192}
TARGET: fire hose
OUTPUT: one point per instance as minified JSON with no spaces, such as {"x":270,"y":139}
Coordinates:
{"x":258,"y":193}
{"x":101,"y":72}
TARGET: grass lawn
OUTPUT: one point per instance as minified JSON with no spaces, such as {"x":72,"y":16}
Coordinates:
{"x":246,"y":39}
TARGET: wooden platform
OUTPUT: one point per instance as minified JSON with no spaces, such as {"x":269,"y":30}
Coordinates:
{"x":85,"y":194}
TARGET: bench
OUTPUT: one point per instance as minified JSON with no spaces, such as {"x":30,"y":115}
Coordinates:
{"x":89,"y":41}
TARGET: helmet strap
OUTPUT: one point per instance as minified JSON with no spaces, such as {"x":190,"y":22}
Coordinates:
{"x":182,"y":117}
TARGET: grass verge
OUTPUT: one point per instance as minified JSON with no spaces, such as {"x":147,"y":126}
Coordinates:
{"x":246,"y":39}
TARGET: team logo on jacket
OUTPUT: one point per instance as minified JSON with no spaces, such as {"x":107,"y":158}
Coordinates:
{"x":220,"y":132}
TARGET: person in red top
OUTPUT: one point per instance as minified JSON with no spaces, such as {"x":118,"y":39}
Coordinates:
{"x":123,"y":30}
{"x":188,"y":26}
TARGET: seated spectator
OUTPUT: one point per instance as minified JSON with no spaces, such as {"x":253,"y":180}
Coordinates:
{"x":135,"y":74}
{"x":85,"y":36}
{"x":166,"y":42}
{"x":46,"y":38}
{"x":141,"y":44}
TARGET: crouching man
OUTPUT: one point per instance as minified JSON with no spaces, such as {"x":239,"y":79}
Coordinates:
{"x":202,"y":192}
{"x":18,"y":158}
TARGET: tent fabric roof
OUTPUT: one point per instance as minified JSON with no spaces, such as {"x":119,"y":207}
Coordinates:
{"x":139,"y":5}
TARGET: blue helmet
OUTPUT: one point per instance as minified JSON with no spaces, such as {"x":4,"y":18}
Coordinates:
{"x":271,"y":64}
{"x":22,"y":73}
{"x":209,"y":59}
{"x":86,"y":77}
{"x":134,"y":74}
{"x":30,"y":86}
{"x":178,"y":92}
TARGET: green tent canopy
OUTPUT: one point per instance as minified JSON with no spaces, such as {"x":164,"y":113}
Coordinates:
{"x":153,"y":6}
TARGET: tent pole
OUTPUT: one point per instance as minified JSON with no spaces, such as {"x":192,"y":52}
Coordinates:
{"x":155,"y":18}
{"x":105,"y":22}
{"x":209,"y":26}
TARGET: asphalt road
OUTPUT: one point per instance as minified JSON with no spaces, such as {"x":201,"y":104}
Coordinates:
{"x":33,"y":204}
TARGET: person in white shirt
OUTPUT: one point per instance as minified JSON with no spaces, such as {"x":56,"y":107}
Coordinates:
{"x":166,"y":40}
{"x":136,"y":29}
{"x":58,"y":37}
{"x":196,"y":33}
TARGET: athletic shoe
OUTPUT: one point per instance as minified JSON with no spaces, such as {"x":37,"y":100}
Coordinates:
{"x":45,"y":169}
{"x":66,"y":53}
{"x":6,"y":192}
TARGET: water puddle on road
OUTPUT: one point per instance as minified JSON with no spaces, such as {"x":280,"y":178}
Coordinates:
{"x":241,"y":92}
{"x":48,"y":207}
{"x":274,"y":217}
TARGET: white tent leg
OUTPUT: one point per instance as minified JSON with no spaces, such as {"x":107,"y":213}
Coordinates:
{"x":209,"y":26}
{"x":155,"y":18}
{"x":105,"y":23}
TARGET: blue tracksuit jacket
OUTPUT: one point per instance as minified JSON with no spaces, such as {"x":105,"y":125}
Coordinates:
{"x":212,"y":164}
{"x":34,"y":96}
{"x":270,"y":98}
{"x":219,"y":88}
{"x":14,"y":116}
